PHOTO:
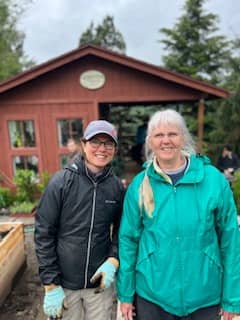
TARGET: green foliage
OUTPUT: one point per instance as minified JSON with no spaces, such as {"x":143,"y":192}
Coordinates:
{"x":236,"y":190}
{"x":22,"y":207}
{"x":12,"y":57}
{"x":6,"y":197}
{"x":26,"y":186}
{"x":104,"y":35}
{"x":193,"y":46}
{"x":44,"y":179}
{"x":28,"y":190}
{"x":227,"y":121}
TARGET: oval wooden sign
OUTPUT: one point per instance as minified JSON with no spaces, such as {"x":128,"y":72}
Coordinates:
{"x":92,"y":79}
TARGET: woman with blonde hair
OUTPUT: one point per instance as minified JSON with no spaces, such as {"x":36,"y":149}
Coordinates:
{"x":179,"y":239}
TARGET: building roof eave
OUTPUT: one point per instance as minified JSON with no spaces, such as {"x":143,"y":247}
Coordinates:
{"x":209,"y":91}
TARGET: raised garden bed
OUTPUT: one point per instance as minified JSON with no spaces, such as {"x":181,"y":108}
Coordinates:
{"x":12,"y":256}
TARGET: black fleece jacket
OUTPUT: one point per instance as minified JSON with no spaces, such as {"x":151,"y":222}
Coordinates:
{"x":76,"y":226}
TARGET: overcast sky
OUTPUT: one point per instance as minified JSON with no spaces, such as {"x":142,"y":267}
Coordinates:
{"x":53,"y":27}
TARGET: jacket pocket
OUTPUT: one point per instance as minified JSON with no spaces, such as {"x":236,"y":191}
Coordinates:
{"x":143,"y":257}
{"x":214,"y":257}
{"x":211,"y":273}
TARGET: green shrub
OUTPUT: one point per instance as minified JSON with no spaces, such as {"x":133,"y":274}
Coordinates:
{"x":6,"y":197}
{"x":27,"y":189}
{"x":236,"y":189}
{"x":44,"y":179}
{"x":23,"y":207}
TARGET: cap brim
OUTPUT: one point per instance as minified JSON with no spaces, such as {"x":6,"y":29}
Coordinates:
{"x":90,"y":136}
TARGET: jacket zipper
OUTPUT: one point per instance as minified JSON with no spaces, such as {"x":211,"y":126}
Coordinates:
{"x":90,"y":233}
{"x":178,"y":239}
{"x":91,"y":225}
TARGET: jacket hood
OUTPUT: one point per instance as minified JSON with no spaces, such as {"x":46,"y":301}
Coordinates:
{"x":77,"y":166}
{"x":194,"y":173}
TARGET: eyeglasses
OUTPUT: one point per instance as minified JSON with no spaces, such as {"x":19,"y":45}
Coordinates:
{"x":170,"y":135}
{"x":96,"y":143}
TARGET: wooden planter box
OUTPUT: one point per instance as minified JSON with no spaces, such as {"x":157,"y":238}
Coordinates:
{"x":12,"y":256}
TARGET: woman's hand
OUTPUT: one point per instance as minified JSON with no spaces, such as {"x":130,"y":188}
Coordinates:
{"x":228,"y":315}
{"x":127,"y":310}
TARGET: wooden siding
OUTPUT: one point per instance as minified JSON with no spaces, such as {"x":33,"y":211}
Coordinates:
{"x":122,"y":85}
{"x":52,"y":91}
{"x":45,"y":118}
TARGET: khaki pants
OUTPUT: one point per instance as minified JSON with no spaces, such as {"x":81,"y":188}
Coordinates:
{"x":85,"y":304}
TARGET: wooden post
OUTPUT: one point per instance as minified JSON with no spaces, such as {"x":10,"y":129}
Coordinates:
{"x":200,"y":124}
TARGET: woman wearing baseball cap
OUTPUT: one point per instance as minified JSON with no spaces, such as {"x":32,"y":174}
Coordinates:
{"x":76,"y":231}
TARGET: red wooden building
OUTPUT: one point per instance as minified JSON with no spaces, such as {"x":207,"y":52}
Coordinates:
{"x":42,"y":107}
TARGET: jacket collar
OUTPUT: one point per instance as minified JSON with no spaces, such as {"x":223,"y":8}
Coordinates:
{"x":79,"y":167}
{"x":194,"y":173}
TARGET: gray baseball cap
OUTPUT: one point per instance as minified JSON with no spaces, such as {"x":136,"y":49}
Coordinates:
{"x":100,"y":126}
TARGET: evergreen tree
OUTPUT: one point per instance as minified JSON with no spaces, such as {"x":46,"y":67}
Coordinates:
{"x":104,"y":35}
{"x":193,"y":46}
{"x":12,"y":57}
{"x":227,"y":120}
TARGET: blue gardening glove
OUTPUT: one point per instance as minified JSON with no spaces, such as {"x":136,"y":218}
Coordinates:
{"x":53,"y":302}
{"x":107,"y":272}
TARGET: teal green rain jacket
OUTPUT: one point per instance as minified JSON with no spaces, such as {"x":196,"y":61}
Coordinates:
{"x":187,"y":255}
